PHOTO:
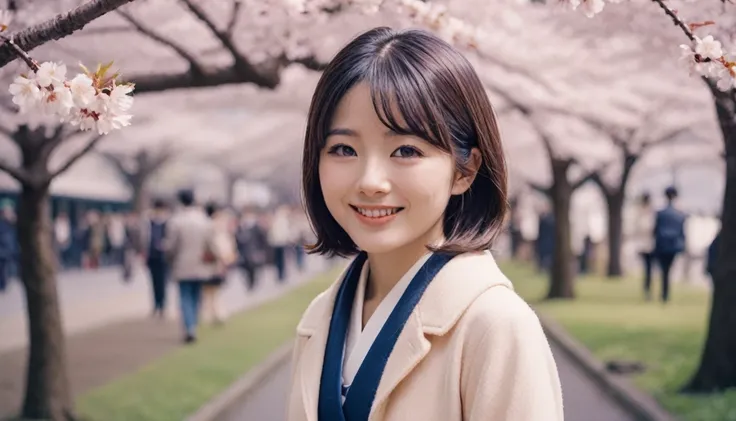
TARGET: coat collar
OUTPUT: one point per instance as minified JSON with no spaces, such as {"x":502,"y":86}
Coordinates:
{"x":452,"y":291}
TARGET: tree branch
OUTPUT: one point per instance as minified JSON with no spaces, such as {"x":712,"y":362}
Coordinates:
{"x":142,"y":29}
{"x":223,"y":37}
{"x":118,"y":163}
{"x":676,"y":19}
{"x":17,"y":173}
{"x":57,"y":27}
{"x":584,"y":179}
{"x":233,"y":17}
{"x":241,"y":64}
{"x":266,"y":75}
{"x":74,"y":158}
{"x":547,"y":191}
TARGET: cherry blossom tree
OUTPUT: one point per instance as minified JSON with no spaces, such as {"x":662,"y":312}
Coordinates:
{"x":89,"y":101}
{"x":707,"y":28}
{"x":660,"y":126}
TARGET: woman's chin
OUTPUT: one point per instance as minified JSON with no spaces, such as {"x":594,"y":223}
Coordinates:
{"x":377,"y":245}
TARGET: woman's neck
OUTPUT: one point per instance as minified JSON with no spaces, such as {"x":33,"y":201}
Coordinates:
{"x":386,"y":269}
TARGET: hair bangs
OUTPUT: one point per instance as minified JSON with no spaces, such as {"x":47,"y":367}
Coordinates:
{"x":404,"y":102}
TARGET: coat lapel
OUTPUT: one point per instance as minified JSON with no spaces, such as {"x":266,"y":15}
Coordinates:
{"x":311,"y":372}
{"x":411,"y":347}
{"x":313,"y":330}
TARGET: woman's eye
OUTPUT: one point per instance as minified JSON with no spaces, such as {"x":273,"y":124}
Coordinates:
{"x":406,"y":152}
{"x":341,"y":150}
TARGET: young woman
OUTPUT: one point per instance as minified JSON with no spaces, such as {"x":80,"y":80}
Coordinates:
{"x":403,"y":166}
{"x":222,"y":245}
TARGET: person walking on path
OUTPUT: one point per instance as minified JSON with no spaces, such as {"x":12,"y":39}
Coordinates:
{"x":642,"y":229}
{"x":8,"y":243}
{"x":280,"y":238}
{"x":221,"y":245}
{"x":187,"y":235}
{"x":155,"y":252}
{"x":545,"y":245}
{"x":669,"y":240}
{"x":252,"y":245}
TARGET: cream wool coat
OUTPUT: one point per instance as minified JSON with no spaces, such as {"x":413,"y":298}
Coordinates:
{"x":472,"y":350}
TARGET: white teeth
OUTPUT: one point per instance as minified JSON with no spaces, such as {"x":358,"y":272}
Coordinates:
{"x":377,"y":213}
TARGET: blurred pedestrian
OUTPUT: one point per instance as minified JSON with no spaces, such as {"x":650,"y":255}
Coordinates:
{"x":642,"y":236}
{"x":252,"y":246}
{"x":221,"y":245}
{"x":669,"y":239}
{"x":187,"y":235}
{"x":63,"y":239}
{"x":155,"y":235}
{"x":8,"y":242}
{"x":545,"y":246}
{"x":280,"y":237}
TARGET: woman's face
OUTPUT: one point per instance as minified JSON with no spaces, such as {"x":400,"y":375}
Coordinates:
{"x":385,"y":190}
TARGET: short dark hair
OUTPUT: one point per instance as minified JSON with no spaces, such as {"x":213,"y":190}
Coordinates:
{"x":442,"y":101}
{"x":670,"y":192}
{"x":186,"y":197}
{"x":211,"y":208}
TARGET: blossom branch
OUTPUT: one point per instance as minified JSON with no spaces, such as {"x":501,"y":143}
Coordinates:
{"x":33,"y":64}
{"x":676,"y":19}
{"x":58,"y":27}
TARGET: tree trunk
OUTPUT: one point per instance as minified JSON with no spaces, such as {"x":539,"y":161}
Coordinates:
{"x":140,"y":196}
{"x":563,"y":275}
{"x":717,"y":369}
{"x":615,"y":203}
{"x":47,"y":386}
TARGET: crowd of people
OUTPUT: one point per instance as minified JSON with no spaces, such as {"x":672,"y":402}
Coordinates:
{"x":192,"y":244}
{"x":658,"y":236}
{"x":196,"y":246}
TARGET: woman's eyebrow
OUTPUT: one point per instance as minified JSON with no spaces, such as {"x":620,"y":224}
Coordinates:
{"x":339,"y":131}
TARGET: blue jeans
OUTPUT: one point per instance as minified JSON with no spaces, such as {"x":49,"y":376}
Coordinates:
{"x":157,"y":268}
{"x":190,"y":292}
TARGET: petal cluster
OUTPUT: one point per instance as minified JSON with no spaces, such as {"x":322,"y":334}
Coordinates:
{"x":91,"y":101}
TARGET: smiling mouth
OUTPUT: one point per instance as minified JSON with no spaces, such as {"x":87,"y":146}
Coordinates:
{"x":376,"y":213}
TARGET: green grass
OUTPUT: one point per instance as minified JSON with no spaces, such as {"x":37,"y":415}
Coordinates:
{"x":178,"y":384}
{"x":611,"y":319}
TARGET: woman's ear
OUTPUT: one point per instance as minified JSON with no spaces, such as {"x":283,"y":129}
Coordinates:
{"x":463,"y":181}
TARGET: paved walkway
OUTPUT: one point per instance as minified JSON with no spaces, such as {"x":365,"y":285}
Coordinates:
{"x":109,"y":328}
{"x":583,"y":400}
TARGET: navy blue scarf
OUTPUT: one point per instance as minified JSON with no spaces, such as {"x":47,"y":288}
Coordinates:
{"x":359,"y":398}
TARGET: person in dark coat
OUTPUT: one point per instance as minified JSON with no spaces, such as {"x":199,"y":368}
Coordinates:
{"x":545,"y":246}
{"x":669,"y":239}
{"x":156,"y":255}
{"x":252,"y":243}
{"x":8,"y":243}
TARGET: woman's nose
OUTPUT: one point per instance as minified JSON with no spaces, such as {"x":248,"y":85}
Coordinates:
{"x":374,"y":179}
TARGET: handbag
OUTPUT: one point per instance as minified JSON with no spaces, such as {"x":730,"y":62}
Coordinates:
{"x":208,"y":256}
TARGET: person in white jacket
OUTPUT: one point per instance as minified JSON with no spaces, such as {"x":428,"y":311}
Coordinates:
{"x":222,"y":246}
{"x":642,"y":235}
